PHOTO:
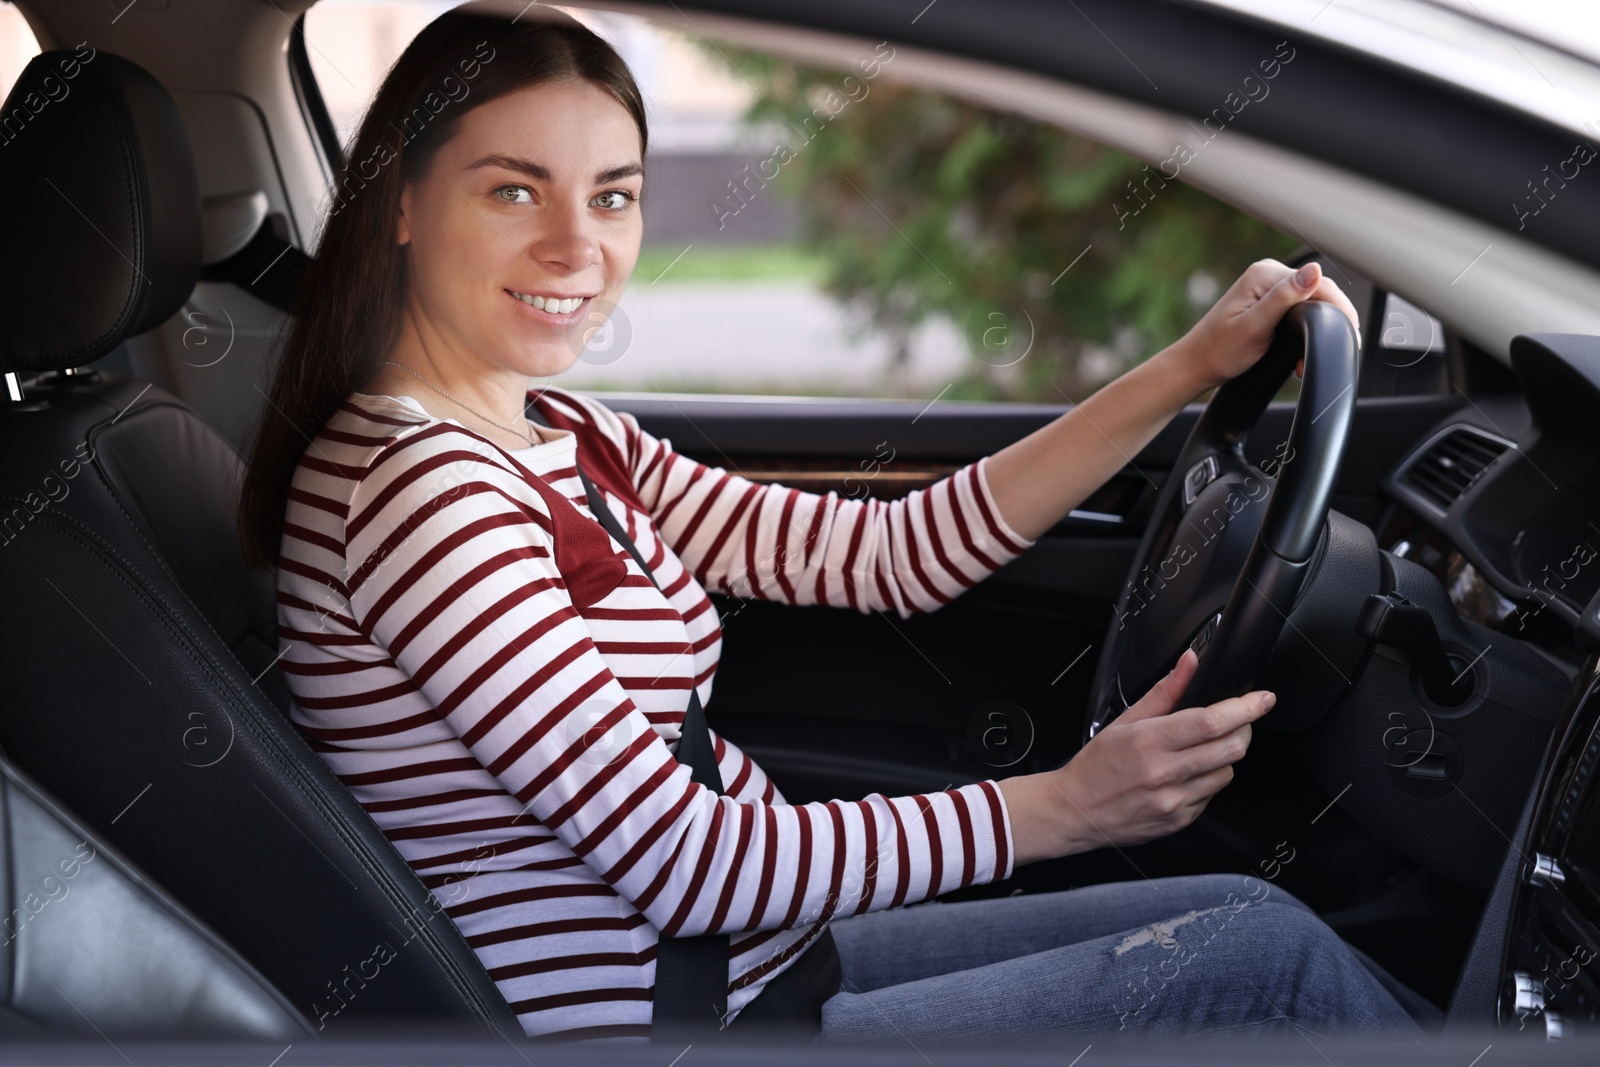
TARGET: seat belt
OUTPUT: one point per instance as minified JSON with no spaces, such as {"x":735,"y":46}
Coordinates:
{"x":691,"y":991}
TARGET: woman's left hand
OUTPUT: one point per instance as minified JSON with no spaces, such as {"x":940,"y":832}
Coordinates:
{"x":1237,"y":331}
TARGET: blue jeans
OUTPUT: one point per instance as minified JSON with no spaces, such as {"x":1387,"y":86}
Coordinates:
{"x":1170,"y":958}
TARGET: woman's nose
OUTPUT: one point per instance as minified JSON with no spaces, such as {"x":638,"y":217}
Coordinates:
{"x":567,"y":240}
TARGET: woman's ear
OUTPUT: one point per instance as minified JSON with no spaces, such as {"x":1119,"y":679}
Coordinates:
{"x":402,"y":232}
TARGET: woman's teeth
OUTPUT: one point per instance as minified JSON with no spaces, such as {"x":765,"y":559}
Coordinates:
{"x":552,"y":305}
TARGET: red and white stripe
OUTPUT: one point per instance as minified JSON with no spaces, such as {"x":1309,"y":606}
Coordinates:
{"x":517,"y":747}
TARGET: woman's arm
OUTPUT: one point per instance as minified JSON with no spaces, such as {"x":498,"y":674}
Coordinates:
{"x":1036,"y":481}
{"x":1040,"y":478}
{"x":773,"y":542}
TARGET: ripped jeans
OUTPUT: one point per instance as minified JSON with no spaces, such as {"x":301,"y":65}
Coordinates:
{"x":1166,"y":959}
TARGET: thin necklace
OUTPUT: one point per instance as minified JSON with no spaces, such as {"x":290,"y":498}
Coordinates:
{"x":480,"y":415}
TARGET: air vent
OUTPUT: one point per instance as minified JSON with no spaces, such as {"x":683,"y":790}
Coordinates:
{"x":1449,"y":466}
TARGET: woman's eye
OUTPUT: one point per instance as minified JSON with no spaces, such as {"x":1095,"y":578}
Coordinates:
{"x":614,"y":199}
{"x":514,"y":194}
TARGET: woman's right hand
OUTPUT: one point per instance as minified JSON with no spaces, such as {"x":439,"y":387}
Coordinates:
{"x":1149,"y":773}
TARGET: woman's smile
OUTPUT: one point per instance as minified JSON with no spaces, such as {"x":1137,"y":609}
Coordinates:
{"x":551,"y":309}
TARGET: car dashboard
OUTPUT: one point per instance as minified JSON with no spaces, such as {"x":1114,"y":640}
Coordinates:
{"x":1502,"y":502}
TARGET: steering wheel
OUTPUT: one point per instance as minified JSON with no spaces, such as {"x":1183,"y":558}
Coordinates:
{"x":1229,"y":546}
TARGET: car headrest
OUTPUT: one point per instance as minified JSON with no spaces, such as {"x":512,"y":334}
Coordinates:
{"x":99,"y":209}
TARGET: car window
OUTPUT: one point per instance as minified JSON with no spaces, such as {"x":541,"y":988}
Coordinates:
{"x":17,"y":46}
{"x":831,"y":232}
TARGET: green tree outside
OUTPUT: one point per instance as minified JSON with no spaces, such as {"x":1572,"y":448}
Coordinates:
{"x":920,"y":204}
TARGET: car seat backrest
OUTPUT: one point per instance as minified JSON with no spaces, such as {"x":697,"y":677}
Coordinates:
{"x":87,"y":943}
{"x":135,"y":645}
{"x":193,"y":532}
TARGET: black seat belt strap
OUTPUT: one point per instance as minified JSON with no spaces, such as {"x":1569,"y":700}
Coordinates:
{"x":691,"y":993}
{"x":691,"y":989}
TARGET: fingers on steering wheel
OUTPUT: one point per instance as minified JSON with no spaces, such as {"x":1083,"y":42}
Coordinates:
{"x":1327,"y":289}
{"x":1196,"y":726}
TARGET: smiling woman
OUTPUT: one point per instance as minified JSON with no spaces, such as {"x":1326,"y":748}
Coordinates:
{"x":500,"y":639}
{"x":510,"y":254}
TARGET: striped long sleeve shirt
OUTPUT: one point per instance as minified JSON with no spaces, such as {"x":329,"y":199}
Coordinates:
{"x":501,"y":687}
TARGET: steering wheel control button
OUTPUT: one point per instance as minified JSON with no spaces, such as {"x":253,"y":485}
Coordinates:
{"x":1200,"y":475}
{"x":1544,"y":872}
{"x":1208,"y":632}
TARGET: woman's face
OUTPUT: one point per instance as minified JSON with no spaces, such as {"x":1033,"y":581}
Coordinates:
{"x":525,"y":228}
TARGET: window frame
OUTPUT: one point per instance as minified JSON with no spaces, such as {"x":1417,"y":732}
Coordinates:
{"x":313,"y":109}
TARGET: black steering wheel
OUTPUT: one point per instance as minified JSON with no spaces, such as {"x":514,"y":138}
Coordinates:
{"x":1229,"y":545}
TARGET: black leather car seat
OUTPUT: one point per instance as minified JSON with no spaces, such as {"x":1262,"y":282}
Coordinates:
{"x":88,"y":944}
{"x":136,"y":648}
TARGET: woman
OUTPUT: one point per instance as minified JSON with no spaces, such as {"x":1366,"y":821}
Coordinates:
{"x":501,"y":685}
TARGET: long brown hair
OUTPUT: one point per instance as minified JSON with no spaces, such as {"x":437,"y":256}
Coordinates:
{"x":348,"y":309}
